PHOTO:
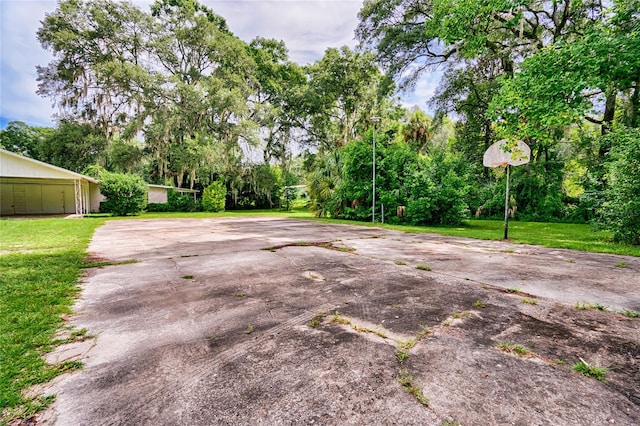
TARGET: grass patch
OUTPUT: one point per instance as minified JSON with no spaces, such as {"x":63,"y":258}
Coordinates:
{"x":400,"y":262}
{"x":479,"y":304}
{"x":187,"y":277}
{"x":369,"y":330}
{"x":408,"y":344}
{"x":621,"y":265}
{"x":529,"y":301}
{"x":631,"y":313}
{"x":40,"y":267}
{"x":583,"y":306}
{"x":249,"y":329}
{"x":239,"y":294}
{"x":423,"y":267}
{"x":339,"y":319}
{"x":402,"y":355}
{"x":514,"y":348}
{"x":514,"y":290}
{"x":588,"y":370}
{"x":424,"y":332}
{"x":406,"y":380}
{"x":317,"y":319}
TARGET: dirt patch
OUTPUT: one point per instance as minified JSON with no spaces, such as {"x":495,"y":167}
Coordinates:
{"x":249,"y":338}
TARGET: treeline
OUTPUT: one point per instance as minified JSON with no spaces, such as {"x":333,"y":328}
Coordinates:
{"x":172,"y":95}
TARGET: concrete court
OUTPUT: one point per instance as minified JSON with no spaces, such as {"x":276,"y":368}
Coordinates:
{"x":213,"y":325}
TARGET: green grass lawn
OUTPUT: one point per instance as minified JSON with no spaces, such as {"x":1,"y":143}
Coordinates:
{"x":39,"y":269}
{"x":41,"y":260}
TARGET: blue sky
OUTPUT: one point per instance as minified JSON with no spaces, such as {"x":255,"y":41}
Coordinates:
{"x":308,"y":28}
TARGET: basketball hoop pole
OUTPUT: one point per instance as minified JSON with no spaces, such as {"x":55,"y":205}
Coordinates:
{"x":506,"y":207}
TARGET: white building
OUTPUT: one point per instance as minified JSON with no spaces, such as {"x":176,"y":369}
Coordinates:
{"x":29,"y":186}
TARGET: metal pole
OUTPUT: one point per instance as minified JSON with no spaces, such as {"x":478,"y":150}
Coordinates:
{"x":373,"y":202}
{"x":506,"y":208}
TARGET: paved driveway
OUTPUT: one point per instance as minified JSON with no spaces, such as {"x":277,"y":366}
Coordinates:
{"x":278,"y":321}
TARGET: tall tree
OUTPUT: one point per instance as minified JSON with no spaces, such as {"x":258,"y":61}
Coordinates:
{"x":344,"y":92}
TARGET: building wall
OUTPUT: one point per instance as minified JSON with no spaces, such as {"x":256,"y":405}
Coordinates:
{"x":158,"y":195}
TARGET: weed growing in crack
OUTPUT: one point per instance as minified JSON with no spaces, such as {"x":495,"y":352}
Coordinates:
{"x":513,"y":348}
{"x":423,"y":267}
{"x":239,"y":294}
{"x":514,"y":290}
{"x":461,"y":315}
{"x":529,"y":301}
{"x":479,"y":304}
{"x":338,"y":319}
{"x":187,"y":277}
{"x":369,"y":330}
{"x":107,"y":263}
{"x":400,"y":262}
{"x":212,"y":337}
{"x":621,"y":265}
{"x":424,"y":332}
{"x":405,"y":379}
{"x":449,"y":423}
{"x":446,"y":323}
{"x":317,"y":319}
{"x":631,"y":314}
{"x":408,"y":344}
{"x":75,"y":336}
{"x":249,"y":329}
{"x":588,"y":370}
{"x":586,"y":306}
{"x":401,"y":355}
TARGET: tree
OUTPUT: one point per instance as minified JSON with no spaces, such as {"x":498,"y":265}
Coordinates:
{"x":620,"y":212}
{"x":343,"y":93}
{"x":176,"y":74}
{"x":73,"y":146}
{"x":23,"y":139}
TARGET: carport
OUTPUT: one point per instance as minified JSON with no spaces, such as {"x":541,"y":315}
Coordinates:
{"x":29,"y":186}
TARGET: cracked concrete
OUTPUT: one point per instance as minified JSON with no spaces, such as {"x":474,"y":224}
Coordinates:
{"x":212,"y":326}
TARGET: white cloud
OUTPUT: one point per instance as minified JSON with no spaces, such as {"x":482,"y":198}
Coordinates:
{"x":307,"y":27}
{"x":20,"y":53}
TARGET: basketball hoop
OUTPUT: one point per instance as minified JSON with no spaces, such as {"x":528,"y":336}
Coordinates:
{"x":505,"y":153}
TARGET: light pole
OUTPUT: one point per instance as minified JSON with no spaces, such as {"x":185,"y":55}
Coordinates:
{"x":375,"y":119}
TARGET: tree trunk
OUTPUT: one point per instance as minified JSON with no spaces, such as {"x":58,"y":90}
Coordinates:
{"x":609,"y":110}
{"x":635,"y":104}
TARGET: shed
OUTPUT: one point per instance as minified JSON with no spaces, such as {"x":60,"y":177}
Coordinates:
{"x":160,"y":193}
{"x":29,"y":186}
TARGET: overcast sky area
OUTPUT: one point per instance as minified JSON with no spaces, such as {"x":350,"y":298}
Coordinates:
{"x":308,"y":27}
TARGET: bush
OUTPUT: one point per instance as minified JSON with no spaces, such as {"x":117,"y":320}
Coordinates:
{"x":158,"y":207}
{"x":214,"y":196}
{"x":125,"y":194}
{"x":178,"y":202}
{"x":620,"y":211}
{"x":438,"y":190}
